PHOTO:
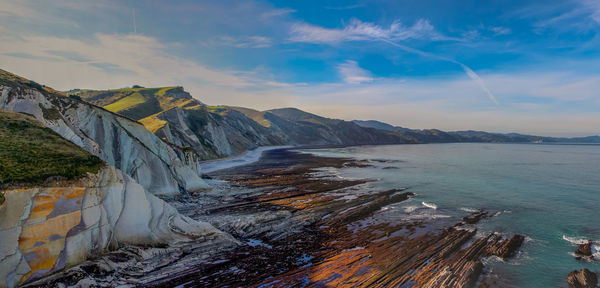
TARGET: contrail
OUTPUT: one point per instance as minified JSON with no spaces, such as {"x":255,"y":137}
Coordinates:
{"x":468,"y":70}
{"x":134,"y":26}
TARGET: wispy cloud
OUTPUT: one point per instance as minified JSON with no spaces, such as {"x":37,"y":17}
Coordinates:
{"x":362,"y":31}
{"x":498,"y":30}
{"x":347,"y":7}
{"x":113,"y":61}
{"x":276,"y":13}
{"x":357,"y":30}
{"x":351,"y":73}
{"x":579,"y":15}
{"x":242,"y":42}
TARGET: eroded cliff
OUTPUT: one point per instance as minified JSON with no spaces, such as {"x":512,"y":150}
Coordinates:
{"x":159,"y":167}
{"x":47,"y":228}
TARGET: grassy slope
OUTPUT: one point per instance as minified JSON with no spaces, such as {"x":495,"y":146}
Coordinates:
{"x":258,"y":116}
{"x":30,"y":153}
{"x":298,"y":115}
{"x":126,"y":102}
{"x":135,"y":103}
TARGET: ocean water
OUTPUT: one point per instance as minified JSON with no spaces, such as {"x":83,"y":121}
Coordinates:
{"x":549,"y":193}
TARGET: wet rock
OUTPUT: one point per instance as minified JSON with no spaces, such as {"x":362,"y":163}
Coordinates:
{"x":475,"y":217}
{"x":583,"y":278}
{"x":584,"y":249}
{"x":506,"y":248}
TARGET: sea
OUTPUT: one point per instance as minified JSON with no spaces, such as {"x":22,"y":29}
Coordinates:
{"x":548,"y":192}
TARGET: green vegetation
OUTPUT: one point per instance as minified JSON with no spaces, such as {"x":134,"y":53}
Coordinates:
{"x":126,"y":103}
{"x":220,"y":110}
{"x":76,"y":97}
{"x":136,"y":103}
{"x":257,"y":116}
{"x":30,"y":153}
{"x":164,"y":90}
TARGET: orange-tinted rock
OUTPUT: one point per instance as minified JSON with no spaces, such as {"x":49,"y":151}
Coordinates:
{"x":583,"y":278}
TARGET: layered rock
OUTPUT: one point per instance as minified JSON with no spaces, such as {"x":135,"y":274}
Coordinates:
{"x":213,"y":135}
{"x":159,"y":167}
{"x":45,"y":229}
{"x":583,"y":278}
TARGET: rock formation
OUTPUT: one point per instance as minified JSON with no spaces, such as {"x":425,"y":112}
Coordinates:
{"x":47,"y":228}
{"x":159,"y":167}
{"x":583,"y":278}
{"x":584,"y":249}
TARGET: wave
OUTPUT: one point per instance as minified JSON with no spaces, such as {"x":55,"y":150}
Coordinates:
{"x":470,"y":210}
{"x":430,"y":205}
{"x":410,"y":209}
{"x":413,"y":217}
{"x":575,"y":240}
{"x":581,"y":240}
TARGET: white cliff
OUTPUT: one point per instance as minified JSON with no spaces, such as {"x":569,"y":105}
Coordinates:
{"x":159,"y":167}
{"x":47,"y":228}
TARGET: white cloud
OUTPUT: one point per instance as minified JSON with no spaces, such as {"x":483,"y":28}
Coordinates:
{"x":357,"y":30}
{"x":112,"y":61}
{"x":351,"y":73}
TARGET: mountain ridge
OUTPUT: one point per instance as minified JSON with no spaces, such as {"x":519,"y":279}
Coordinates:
{"x":222,"y":131}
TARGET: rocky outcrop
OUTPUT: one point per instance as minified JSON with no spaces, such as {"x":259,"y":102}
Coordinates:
{"x":45,"y":229}
{"x":159,"y":167}
{"x":583,"y":278}
{"x":584,"y":249}
{"x":506,"y":248}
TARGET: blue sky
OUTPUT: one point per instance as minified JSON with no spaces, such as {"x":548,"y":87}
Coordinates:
{"x":504,"y":66}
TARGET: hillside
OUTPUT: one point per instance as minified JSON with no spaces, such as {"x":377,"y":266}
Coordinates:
{"x":136,"y":103}
{"x":219,"y":131}
{"x":120,"y":141}
{"x":30,"y":152}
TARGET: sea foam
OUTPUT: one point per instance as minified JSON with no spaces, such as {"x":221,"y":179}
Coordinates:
{"x":430,"y":205}
{"x":575,"y":240}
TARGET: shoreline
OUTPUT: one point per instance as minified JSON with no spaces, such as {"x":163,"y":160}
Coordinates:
{"x":298,"y":227}
{"x":248,"y":157}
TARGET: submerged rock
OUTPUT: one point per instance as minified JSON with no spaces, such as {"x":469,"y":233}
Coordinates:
{"x":583,"y":278}
{"x":46,"y":229}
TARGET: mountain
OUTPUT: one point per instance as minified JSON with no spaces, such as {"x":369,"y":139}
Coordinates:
{"x":159,"y":167}
{"x":220,"y":131}
{"x":61,"y":204}
{"x":380,"y":125}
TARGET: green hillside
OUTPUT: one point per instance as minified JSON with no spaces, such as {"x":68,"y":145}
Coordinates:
{"x":136,"y":103}
{"x":30,"y":152}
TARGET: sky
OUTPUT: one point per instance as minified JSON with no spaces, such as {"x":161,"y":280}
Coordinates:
{"x":501,"y":66}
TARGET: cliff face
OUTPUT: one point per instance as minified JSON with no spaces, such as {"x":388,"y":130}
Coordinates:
{"x":47,"y":228}
{"x":123,"y":143}
{"x":214,"y":135}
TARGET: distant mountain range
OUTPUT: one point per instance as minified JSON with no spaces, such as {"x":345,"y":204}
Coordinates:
{"x":219,"y":131}
{"x":188,"y":125}
{"x":482,"y":136}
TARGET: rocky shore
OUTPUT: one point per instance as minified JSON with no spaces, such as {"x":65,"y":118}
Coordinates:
{"x":298,"y":226}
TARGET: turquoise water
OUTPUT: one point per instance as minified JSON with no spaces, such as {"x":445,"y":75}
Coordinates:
{"x":550,"y":193}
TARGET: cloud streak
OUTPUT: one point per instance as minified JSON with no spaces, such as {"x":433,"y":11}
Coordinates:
{"x":357,"y":30}
{"x":351,"y":73}
{"x":361,"y":31}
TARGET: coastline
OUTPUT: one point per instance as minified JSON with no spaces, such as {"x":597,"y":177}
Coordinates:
{"x":298,"y":225}
{"x":245,"y":158}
